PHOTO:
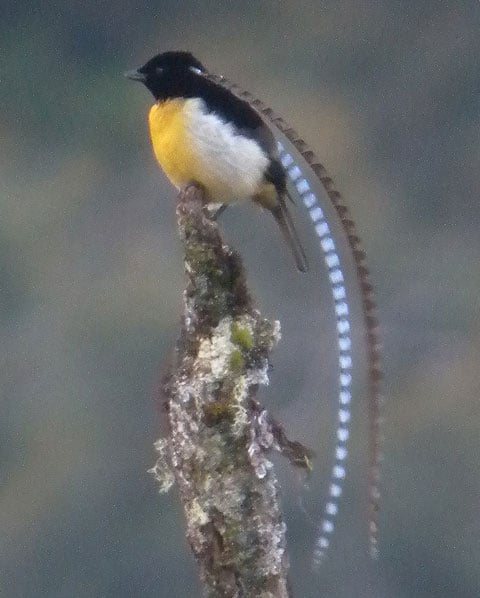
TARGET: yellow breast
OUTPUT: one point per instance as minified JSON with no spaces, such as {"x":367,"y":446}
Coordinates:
{"x":168,"y":132}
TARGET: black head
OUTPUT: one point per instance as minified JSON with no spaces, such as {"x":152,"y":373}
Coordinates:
{"x":170,"y":74}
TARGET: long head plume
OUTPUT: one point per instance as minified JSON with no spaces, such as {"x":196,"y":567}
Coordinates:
{"x":327,"y":244}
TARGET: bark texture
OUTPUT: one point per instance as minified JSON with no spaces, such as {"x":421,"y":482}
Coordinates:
{"x":219,"y":435}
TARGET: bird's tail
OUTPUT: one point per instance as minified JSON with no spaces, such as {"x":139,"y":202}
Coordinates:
{"x":284,"y":220}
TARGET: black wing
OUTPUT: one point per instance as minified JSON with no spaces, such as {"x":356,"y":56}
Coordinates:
{"x":246,"y":120}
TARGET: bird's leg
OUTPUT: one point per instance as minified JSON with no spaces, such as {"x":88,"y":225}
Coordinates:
{"x":219,"y":211}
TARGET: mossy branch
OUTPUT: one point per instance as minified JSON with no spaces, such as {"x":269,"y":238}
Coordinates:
{"x":219,"y":435}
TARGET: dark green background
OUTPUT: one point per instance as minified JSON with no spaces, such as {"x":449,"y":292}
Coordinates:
{"x":387,"y":92}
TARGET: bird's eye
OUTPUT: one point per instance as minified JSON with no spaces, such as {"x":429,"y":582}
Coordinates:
{"x":196,"y":70}
{"x":159,"y":70}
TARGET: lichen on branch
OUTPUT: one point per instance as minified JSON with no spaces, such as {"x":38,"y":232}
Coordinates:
{"x":219,"y":435}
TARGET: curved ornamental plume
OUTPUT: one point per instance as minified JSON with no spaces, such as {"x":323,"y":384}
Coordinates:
{"x":344,"y":342}
{"x":305,"y":172}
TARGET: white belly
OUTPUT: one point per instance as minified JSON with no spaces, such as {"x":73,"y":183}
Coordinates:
{"x":232,"y":166}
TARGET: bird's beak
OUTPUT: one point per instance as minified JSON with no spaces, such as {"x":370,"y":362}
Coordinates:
{"x":135,"y":75}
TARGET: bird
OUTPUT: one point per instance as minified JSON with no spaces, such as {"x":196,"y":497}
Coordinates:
{"x":203,"y":133}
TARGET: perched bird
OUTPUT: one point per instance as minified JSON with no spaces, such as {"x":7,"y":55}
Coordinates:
{"x":203,"y":133}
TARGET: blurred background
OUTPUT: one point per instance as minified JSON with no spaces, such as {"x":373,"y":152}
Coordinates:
{"x":387,"y":93}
